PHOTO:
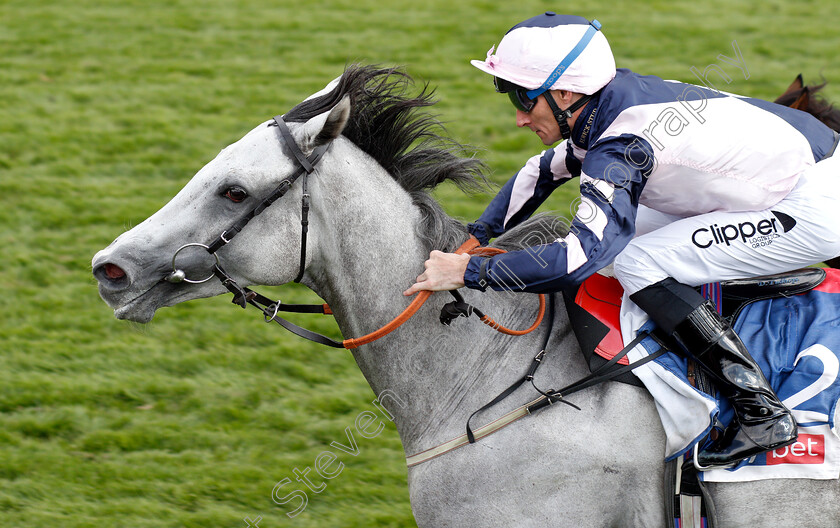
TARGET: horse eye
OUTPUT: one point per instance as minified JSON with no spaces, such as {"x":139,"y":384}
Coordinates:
{"x":236,"y":194}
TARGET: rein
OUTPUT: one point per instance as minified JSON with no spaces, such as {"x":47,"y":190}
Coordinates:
{"x":243,"y":296}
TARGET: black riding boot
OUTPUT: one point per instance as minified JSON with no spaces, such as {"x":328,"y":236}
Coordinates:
{"x":762,"y":423}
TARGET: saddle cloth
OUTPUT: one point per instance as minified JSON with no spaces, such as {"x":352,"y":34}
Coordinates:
{"x":796,"y":342}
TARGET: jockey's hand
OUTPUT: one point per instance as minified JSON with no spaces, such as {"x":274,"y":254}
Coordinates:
{"x":444,"y":271}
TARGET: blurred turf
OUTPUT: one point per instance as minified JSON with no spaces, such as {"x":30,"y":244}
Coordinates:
{"x":108,"y":108}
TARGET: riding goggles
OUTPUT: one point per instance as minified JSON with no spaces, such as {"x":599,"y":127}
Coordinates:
{"x":517,"y":94}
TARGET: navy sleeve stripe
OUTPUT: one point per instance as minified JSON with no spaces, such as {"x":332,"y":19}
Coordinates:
{"x":520,"y":197}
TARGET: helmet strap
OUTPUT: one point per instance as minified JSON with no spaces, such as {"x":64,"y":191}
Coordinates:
{"x":563,"y":116}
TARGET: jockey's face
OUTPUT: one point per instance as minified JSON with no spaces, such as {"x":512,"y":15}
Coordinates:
{"x":541,"y":120}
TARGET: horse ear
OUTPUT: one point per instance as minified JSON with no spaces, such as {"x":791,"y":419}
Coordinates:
{"x":803,"y":101}
{"x":325,"y":127}
{"x":797,"y":84}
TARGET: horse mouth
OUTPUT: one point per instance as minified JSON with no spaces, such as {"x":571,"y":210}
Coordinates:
{"x":140,"y":309}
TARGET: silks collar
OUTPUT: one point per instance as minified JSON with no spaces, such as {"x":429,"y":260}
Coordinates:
{"x":582,"y":132}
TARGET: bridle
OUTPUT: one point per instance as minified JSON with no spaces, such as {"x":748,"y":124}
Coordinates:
{"x":243,"y":296}
{"x":306,"y":165}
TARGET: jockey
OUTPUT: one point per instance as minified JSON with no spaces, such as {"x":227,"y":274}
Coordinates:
{"x":680,"y":185}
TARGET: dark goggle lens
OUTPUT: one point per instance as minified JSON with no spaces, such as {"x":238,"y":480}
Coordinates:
{"x":521,"y":101}
{"x":517,"y":94}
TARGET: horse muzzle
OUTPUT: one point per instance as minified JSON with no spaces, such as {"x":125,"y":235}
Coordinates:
{"x":119,"y":288}
{"x":135,"y":284}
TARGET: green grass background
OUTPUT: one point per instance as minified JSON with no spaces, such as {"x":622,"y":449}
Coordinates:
{"x":108,"y":108}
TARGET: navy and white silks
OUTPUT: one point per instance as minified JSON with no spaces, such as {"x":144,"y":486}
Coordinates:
{"x":676,"y":181}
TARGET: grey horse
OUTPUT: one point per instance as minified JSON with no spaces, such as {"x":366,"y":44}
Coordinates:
{"x":372,"y":224}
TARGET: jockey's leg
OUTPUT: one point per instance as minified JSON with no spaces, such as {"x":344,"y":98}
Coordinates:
{"x":763,"y":422}
{"x":648,"y":220}
{"x":660,"y":269}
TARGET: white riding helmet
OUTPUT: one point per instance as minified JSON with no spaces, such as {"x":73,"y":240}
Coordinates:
{"x":532,"y":51}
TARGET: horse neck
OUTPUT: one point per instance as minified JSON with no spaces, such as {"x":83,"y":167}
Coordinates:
{"x":365,"y":252}
{"x":368,"y":252}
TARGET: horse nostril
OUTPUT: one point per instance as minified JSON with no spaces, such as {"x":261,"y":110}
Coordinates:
{"x":111,"y":276}
{"x":113,"y":272}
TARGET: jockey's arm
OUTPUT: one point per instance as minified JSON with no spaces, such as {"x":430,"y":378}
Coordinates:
{"x":602,"y":227}
{"x":526,"y":191}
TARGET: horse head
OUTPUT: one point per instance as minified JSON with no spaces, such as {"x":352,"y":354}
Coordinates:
{"x":132,"y":271}
{"x":368,"y":188}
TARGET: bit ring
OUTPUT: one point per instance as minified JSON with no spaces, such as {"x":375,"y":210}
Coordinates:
{"x":178,"y":275}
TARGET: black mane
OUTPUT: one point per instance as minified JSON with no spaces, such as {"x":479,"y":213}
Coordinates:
{"x":385,"y":123}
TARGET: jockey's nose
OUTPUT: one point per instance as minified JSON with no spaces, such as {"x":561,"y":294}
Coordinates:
{"x":522,"y":118}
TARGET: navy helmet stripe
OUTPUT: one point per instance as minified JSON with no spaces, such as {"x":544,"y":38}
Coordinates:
{"x":549,"y":20}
